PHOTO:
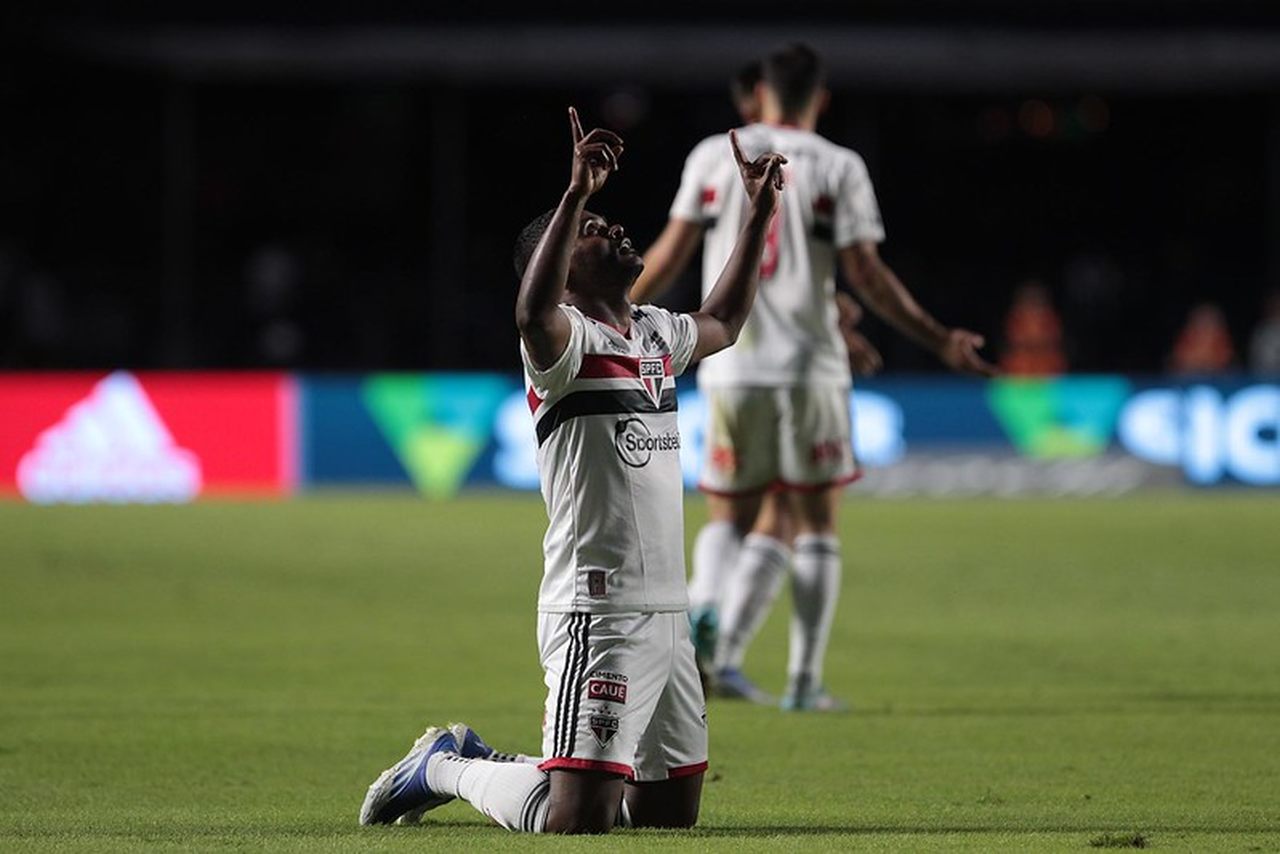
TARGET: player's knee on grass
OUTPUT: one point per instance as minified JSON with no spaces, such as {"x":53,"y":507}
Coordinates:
{"x":583,"y":802}
{"x":669,"y":803}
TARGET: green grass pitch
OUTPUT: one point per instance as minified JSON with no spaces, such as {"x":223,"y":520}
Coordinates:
{"x":1033,"y":675}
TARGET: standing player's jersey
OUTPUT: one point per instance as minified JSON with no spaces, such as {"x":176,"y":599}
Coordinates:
{"x":609,"y":462}
{"x":791,"y":337}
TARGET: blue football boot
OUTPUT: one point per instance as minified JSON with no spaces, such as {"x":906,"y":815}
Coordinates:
{"x":403,"y":788}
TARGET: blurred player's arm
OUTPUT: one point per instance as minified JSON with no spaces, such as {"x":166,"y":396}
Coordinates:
{"x":543,"y":327}
{"x":864,"y":358}
{"x":726,"y":308}
{"x":666,"y":259}
{"x":882,"y":291}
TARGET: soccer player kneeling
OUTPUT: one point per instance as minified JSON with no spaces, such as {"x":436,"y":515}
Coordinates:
{"x":625,"y":735}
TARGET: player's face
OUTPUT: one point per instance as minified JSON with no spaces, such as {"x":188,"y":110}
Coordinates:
{"x":604,"y":250}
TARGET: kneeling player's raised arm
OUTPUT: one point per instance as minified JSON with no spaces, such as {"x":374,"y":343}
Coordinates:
{"x":543,"y":327}
{"x":726,"y":308}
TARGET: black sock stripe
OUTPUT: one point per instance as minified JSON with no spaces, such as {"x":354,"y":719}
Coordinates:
{"x":532,"y":803}
{"x":582,"y":675}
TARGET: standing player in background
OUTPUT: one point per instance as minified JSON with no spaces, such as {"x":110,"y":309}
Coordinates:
{"x":779,"y":444}
{"x":624,"y":732}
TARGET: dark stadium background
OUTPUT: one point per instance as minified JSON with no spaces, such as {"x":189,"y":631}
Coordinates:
{"x":367,"y":167}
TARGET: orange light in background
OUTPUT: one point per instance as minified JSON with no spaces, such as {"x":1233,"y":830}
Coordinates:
{"x":1035,"y":117}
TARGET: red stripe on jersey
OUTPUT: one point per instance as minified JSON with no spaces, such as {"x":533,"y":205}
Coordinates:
{"x":708,"y":196}
{"x":534,"y":402}
{"x":616,"y":367}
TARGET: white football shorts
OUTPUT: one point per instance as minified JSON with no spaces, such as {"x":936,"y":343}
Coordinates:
{"x":623,"y":695}
{"x":777,"y":438}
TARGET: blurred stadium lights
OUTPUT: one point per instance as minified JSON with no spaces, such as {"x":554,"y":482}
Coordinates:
{"x":933,"y":57}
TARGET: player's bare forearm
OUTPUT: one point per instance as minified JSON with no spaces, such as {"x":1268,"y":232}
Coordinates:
{"x":544,"y":329}
{"x":726,"y":308}
{"x":885,"y":294}
{"x":666,"y":259}
{"x":881,"y":290}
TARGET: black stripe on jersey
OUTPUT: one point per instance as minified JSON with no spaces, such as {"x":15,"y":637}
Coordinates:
{"x":579,"y":684}
{"x":824,"y":231}
{"x":606,"y":401}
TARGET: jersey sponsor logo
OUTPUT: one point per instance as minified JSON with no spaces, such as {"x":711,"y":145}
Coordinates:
{"x":652,"y":373}
{"x":607,"y":690}
{"x":604,"y":726}
{"x":597,"y":584}
{"x":636,"y":444}
{"x":708,"y":196}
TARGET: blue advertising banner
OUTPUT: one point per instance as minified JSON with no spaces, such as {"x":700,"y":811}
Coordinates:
{"x":444,"y":432}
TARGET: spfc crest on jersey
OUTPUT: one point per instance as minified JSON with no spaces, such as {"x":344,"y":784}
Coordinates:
{"x":652,"y":373}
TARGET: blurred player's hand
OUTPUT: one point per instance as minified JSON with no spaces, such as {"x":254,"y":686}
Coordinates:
{"x":595,"y":155}
{"x":960,"y":353}
{"x":864,"y":358}
{"x":762,"y":177}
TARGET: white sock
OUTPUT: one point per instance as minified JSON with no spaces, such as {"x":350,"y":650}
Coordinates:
{"x":714,"y":553}
{"x":514,"y":794}
{"x":750,"y":591}
{"x":815,"y":588}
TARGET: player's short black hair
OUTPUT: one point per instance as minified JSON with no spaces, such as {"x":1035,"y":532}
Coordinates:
{"x":528,"y":241}
{"x":794,"y":72}
{"x":744,"y":81}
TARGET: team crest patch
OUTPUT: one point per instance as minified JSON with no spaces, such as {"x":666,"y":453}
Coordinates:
{"x":652,"y":373}
{"x":604,"y":727}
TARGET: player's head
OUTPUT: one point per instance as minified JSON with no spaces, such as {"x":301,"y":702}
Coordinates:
{"x":527,"y":241}
{"x":603,"y":259}
{"x":743,"y":91}
{"x":793,"y":78}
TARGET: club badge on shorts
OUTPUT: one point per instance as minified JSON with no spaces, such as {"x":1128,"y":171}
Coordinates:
{"x":604,"y":727}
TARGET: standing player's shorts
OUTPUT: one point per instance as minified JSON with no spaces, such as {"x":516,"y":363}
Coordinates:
{"x":623,"y":695}
{"x":777,"y":438}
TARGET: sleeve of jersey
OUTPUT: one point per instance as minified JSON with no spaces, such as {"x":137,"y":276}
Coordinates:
{"x":857,"y":213}
{"x":688,"y":202}
{"x":683,"y":339}
{"x":554,"y":379}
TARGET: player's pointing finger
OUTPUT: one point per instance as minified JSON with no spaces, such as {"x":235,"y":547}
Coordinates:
{"x":575,"y":126}
{"x":737,"y":150}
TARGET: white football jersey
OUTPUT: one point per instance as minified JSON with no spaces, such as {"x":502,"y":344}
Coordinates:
{"x":609,"y":464}
{"x":791,"y":337}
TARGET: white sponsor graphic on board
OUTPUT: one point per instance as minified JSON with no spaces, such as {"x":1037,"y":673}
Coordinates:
{"x":112,"y":446}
